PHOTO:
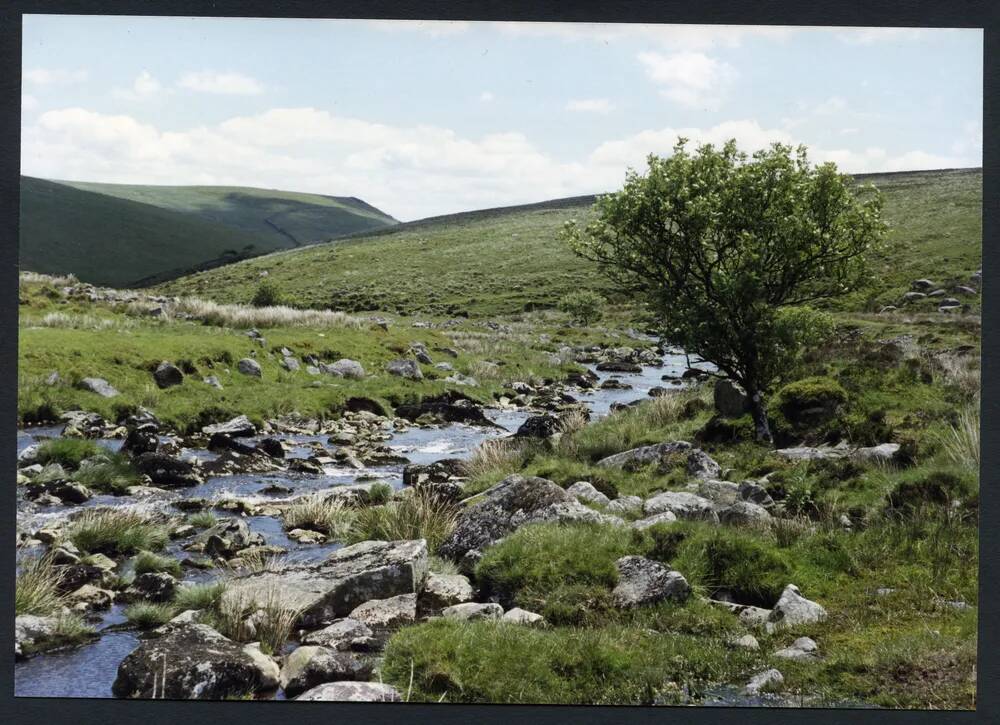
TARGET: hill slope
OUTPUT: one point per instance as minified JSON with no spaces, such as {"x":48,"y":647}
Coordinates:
{"x":505,"y":260}
{"x":128,"y":235}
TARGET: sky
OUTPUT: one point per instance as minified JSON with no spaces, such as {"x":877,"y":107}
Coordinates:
{"x":423,"y":118}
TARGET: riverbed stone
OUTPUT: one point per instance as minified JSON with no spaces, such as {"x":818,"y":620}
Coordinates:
{"x":165,"y":470}
{"x":333,"y":588}
{"x":237,"y":427}
{"x":352,"y":692}
{"x":227,"y":537}
{"x":643,"y":581}
{"x":193,"y":662}
{"x":32,"y":632}
{"x":311,"y":665}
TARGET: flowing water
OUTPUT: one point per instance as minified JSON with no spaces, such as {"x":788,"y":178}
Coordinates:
{"x":89,"y":670}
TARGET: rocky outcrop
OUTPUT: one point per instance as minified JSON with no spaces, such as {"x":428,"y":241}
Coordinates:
{"x":348,"y":578}
{"x":194,"y":662}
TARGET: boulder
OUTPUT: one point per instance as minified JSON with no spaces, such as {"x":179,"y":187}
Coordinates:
{"x":665,"y":517}
{"x":742,"y":513}
{"x":352,"y":692}
{"x":333,"y":588}
{"x":167,"y":375}
{"x":620,"y":366}
{"x":730,"y":400}
{"x":639,"y":457}
{"x":449,"y":407}
{"x":227,"y":537}
{"x":585,"y":491}
{"x":793,"y":610}
{"x":802,"y":649}
{"x":747,"y":641}
{"x":625,"y":506}
{"x":345,"y":368}
{"x":764,"y":682}
{"x":100,"y":386}
{"x":404,"y":368}
{"x":310,"y":666}
{"x":565,"y":512}
{"x":249,"y":366}
{"x":701,"y":465}
{"x":154,"y":587}
{"x":31,"y":632}
{"x":539,"y":426}
{"x":224,"y":442}
{"x":683,"y":505}
{"x":238,"y":427}
{"x":724,"y":493}
{"x":516,"y":615}
{"x":271,"y":447}
{"x":143,"y":439}
{"x":212,"y":381}
{"x":443,"y":590}
{"x":754,"y":493}
{"x":441,"y":471}
{"x":472,"y":611}
{"x":922,"y":285}
{"x":644,"y":581}
{"x":494,"y":517}
{"x":391,"y":613}
{"x":164,"y":470}
{"x":194,"y":662}
{"x":343,"y":635}
{"x":290,"y":363}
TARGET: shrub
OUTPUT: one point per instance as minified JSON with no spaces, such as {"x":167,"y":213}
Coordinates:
{"x":36,"y":587}
{"x":417,"y":515}
{"x":116,"y":531}
{"x":938,"y":488}
{"x":807,"y":407}
{"x":147,"y":615}
{"x":536,"y":559}
{"x":267,"y":294}
{"x":68,"y":452}
{"x":147,"y":561}
{"x":583,"y":307}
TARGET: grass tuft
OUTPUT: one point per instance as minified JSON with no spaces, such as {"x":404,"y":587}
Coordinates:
{"x":116,"y":532}
{"x":417,"y":515}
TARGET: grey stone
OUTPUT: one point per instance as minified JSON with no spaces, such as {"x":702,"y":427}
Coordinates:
{"x":443,"y":590}
{"x":167,"y":375}
{"x":352,"y":692}
{"x":802,"y":649}
{"x":585,"y":491}
{"x":645,"y":455}
{"x":764,"y":681}
{"x":309,"y":666}
{"x":249,"y":366}
{"x":386,"y":614}
{"x":342,"y":635}
{"x":792,"y":609}
{"x":730,"y":400}
{"x":238,"y":427}
{"x":99,"y":386}
{"x":471,"y":611}
{"x":743,"y":512}
{"x":682,"y":504}
{"x":664,"y":517}
{"x":516,"y":615}
{"x":625,"y":505}
{"x":345,"y":368}
{"x":405,"y":368}
{"x":644,"y":581}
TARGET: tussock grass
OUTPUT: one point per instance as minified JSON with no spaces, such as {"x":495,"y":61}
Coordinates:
{"x":146,"y":562}
{"x":245,"y":619}
{"x":495,"y":458}
{"x":961,"y":441}
{"x":36,"y":587}
{"x":113,"y":474}
{"x":330,"y":516}
{"x":199,"y":596}
{"x":417,"y":515}
{"x":203,"y":519}
{"x":147,"y":615}
{"x":379,"y":493}
{"x":442,"y":566}
{"x":247,"y":316}
{"x":68,"y":452}
{"x":116,"y":531}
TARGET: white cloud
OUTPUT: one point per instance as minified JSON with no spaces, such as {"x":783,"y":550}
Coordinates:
{"x":867,"y":36}
{"x":144,"y":86}
{"x":486,"y":97}
{"x":591,"y":105}
{"x":28,"y":102}
{"x":409,"y":171}
{"x":849,"y":131}
{"x":680,"y":37}
{"x":970,"y":139}
{"x":690,"y":79}
{"x":223,"y":83}
{"x":434,"y":28}
{"x":54,"y":76}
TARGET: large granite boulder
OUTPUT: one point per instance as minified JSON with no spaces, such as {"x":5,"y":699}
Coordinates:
{"x":683,"y":505}
{"x":500,"y":512}
{"x":346,"y":579}
{"x":310,"y":666}
{"x":645,"y":455}
{"x":644,"y":581}
{"x":194,"y":662}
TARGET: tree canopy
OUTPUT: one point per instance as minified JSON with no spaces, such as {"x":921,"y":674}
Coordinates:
{"x":733,"y":251}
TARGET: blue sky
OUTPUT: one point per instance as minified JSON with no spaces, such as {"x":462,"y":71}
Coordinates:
{"x":430,"y":118}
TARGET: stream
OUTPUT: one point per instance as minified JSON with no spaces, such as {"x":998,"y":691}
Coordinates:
{"x":89,"y":670}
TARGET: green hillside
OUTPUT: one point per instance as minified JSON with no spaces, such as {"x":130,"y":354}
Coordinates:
{"x":289,"y":218}
{"x":506,"y":260}
{"x":131,"y":235}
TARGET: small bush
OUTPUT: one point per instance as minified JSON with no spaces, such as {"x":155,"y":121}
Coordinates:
{"x":36,"y":587}
{"x":68,"y":452}
{"x":583,"y":307}
{"x":147,"y":615}
{"x":147,"y":561}
{"x":418,"y":515}
{"x":116,"y":531}
{"x":807,"y":407}
{"x":267,"y":294}
{"x":938,"y":488}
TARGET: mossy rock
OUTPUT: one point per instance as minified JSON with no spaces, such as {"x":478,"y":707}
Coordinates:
{"x":808,"y":410}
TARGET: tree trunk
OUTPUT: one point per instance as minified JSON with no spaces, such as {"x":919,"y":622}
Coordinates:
{"x":758,"y":412}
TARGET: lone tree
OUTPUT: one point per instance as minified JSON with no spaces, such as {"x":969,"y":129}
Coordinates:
{"x":732,"y":250}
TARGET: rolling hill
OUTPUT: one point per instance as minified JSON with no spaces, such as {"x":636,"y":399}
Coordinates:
{"x":124,"y":235}
{"x":501,"y":261}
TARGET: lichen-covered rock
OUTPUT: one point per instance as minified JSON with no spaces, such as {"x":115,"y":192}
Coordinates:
{"x":625,"y":506}
{"x":742,"y":513}
{"x":565,"y":512}
{"x":345,"y":368}
{"x":585,"y":491}
{"x":226,"y":538}
{"x":333,"y":588}
{"x":387,"y":614}
{"x":443,"y":590}
{"x":310,"y":666}
{"x":793,"y":609}
{"x":343,"y":635}
{"x":683,"y":505}
{"x":703,"y":466}
{"x":645,"y":455}
{"x":352,"y":692}
{"x":721,"y":492}
{"x":193,"y":662}
{"x":730,"y":400}
{"x":500,"y":512}
{"x":471,"y":611}
{"x":644,"y":581}
{"x":664,"y":517}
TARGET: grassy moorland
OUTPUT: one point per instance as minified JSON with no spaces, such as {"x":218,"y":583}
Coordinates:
{"x":118,"y":235}
{"x":503,"y":263}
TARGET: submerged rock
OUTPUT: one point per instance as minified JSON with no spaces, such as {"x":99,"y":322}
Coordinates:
{"x":164,"y":470}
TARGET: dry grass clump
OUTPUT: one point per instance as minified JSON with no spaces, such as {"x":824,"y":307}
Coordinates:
{"x":36,"y":587}
{"x":418,"y":515}
{"x":496,"y":456}
{"x":961,"y":441}
{"x":59,"y":280}
{"x":330,"y":516}
{"x":246,"y":316}
{"x":243,"y":618}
